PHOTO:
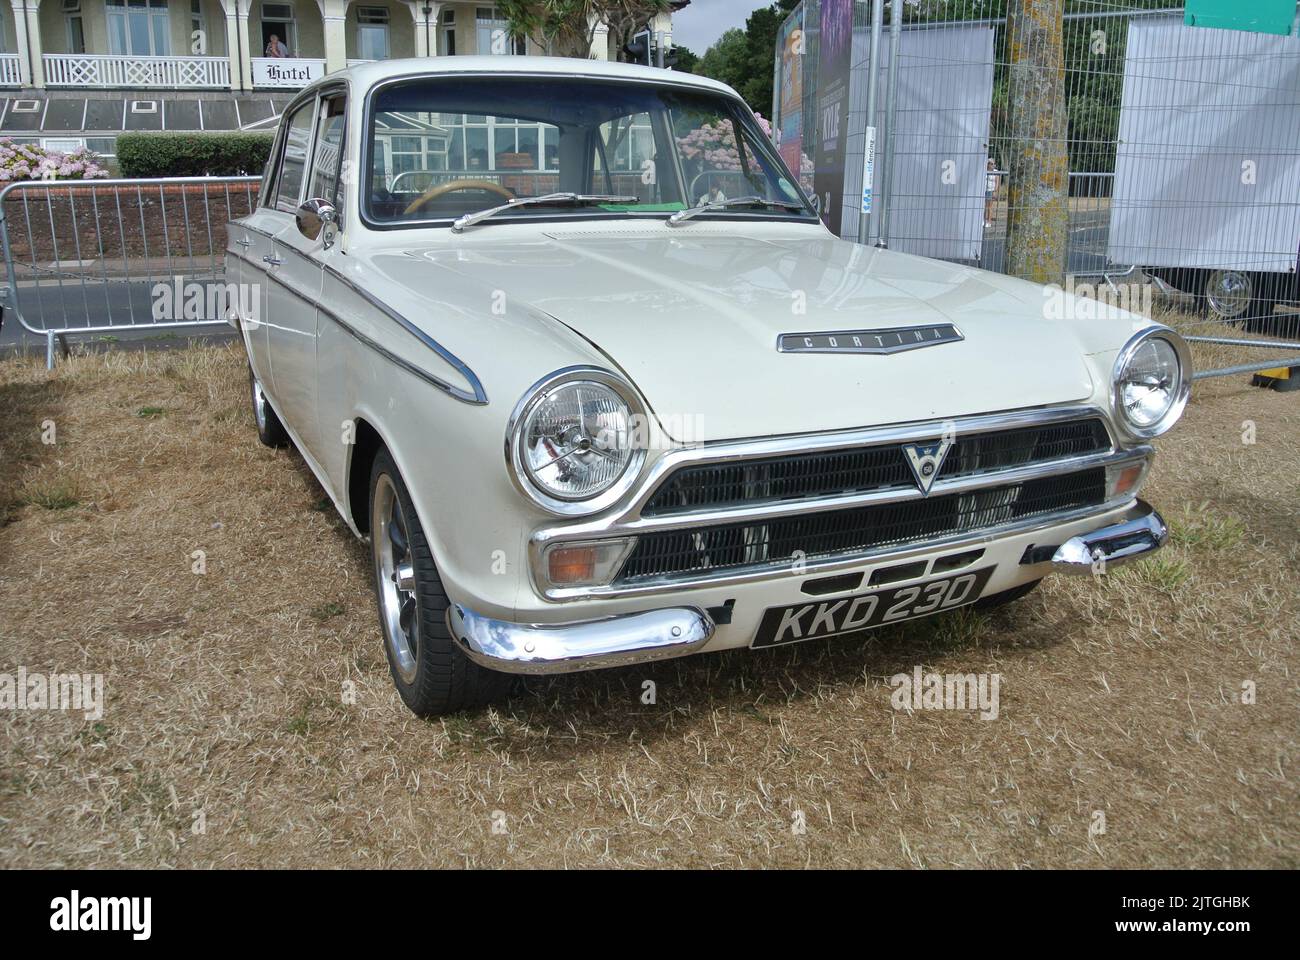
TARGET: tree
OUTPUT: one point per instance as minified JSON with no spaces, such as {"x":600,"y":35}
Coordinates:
{"x":1037,"y":203}
{"x":745,"y":59}
{"x":568,"y":27}
{"x":686,"y":60}
{"x":725,"y":60}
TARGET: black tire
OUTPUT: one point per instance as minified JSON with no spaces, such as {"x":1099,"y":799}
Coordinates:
{"x":445,"y":680}
{"x":269,"y":428}
{"x":996,"y":600}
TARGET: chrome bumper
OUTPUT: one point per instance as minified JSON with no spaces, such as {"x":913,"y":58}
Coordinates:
{"x":565,"y":647}
{"x":539,"y":648}
{"x":1141,"y":532}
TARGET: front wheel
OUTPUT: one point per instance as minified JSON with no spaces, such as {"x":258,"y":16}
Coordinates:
{"x":269,"y":428}
{"x":430,"y":672}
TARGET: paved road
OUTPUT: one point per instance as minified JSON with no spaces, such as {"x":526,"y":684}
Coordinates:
{"x":99,"y":304}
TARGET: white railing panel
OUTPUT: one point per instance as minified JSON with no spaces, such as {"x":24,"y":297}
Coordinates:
{"x":10,"y":73}
{"x":98,"y":70}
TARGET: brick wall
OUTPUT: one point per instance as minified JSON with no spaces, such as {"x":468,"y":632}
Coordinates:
{"x":107,"y":225}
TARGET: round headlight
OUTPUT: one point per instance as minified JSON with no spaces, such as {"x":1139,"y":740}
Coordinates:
{"x":1152,"y":382}
{"x":573,"y":440}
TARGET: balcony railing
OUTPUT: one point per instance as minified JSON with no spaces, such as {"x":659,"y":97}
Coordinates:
{"x":93,"y":70}
{"x":10,"y":74}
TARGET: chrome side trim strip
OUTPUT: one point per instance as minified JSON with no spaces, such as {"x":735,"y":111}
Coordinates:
{"x":475,"y":395}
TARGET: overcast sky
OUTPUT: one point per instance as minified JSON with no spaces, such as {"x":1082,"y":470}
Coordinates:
{"x":700,"y":24}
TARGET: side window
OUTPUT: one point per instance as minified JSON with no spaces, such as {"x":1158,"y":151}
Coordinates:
{"x":293,"y":166}
{"x":329,"y":152}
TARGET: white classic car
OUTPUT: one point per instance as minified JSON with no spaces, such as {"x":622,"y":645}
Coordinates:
{"x":569,"y":344}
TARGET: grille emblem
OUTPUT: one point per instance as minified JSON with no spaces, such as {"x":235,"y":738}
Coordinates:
{"x":926,"y":459}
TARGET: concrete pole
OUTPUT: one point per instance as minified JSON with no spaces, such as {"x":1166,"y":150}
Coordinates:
{"x":886,"y":151}
{"x":877,"y":24}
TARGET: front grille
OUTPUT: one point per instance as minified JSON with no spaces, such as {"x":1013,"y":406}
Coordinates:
{"x":832,"y":533}
{"x":818,"y":475}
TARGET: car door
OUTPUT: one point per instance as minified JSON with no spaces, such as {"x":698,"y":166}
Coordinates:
{"x":300,"y":273}
{"x":292,"y":287}
{"x":250,"y":243}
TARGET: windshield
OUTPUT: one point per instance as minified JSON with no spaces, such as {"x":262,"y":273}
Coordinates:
{"x":442,"y":147}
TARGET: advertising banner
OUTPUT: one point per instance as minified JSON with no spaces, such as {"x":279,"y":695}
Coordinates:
{"x":835,"y":51}
{"x":789,"y":131}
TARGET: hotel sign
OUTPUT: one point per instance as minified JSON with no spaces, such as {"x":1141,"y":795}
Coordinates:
{"x":291,"y":72}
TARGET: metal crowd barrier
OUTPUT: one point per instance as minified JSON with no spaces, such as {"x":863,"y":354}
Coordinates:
{"x":92,"y":257}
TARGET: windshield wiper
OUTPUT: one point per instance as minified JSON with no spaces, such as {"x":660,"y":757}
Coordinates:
{"x":683,"y":215}
{"x":575,"y":199}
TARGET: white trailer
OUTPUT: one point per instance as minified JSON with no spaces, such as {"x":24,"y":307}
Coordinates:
{"x":1207,"y":174}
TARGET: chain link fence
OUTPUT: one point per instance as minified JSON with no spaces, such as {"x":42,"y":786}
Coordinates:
{"x":1182,"y":143}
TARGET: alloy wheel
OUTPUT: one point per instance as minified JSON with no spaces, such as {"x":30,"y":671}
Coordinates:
{"x":395,"y":576}
{"x":1229,"y":293}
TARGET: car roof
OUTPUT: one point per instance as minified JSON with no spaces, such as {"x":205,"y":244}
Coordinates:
{"x":365,"y":75}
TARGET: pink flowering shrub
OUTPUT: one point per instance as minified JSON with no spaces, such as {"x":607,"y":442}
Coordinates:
{"x":29,"y":161}
{"x":714,"y":144}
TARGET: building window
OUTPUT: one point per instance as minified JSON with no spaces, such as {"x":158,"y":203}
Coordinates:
{"x":278,"y":22}
{"x":63,"y":144}
{"x":493,"y":33}
{"x":138,"y":28}
{"x":372,"y":33}
{"x":448,"y":45}
{"x":76,"y":35}
{"x":105,"y":147}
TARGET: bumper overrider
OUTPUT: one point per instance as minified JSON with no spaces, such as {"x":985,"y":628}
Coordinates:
{"x":674,"y":631}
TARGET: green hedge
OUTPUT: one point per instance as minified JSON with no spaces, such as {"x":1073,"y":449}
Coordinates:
{"x":192,"y":154}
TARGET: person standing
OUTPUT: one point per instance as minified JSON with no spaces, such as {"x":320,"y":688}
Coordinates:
{"x":274,"y":48}
{"x":991,"y":181}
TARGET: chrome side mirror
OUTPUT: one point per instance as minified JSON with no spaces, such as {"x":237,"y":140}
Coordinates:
{"x":314,"y":216}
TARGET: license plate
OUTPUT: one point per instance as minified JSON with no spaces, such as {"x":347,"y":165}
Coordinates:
{"x":829,"y":618}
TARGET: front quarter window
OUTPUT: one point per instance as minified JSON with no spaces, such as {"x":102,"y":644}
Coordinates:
{"x":439,"y":148}
{"x":293,"y":165}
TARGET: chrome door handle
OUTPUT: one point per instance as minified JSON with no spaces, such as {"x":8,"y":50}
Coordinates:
{"x":272,"y":259}
{"x":244,"y":242}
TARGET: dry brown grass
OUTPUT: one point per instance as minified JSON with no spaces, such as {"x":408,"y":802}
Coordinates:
{"x":226,"y":691}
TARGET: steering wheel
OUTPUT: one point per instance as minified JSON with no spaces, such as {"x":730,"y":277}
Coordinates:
{"x":441,"y":189}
